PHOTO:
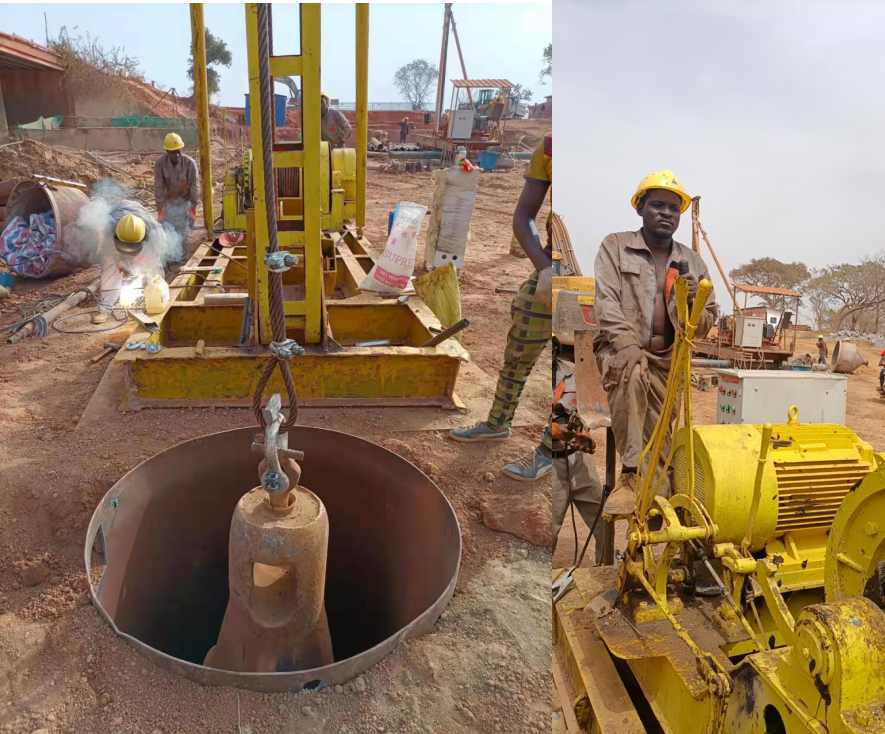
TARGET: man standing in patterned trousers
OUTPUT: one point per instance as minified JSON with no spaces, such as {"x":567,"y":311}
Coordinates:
{"x":531,"y":325}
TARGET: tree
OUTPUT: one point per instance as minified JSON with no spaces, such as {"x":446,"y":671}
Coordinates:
{"x":771,"y":273}
{"x":93,"y":69}
{"x":415,"y":81}
{"x":547,"y":70}
{"x":852,"y":293}
{"x":89,"y":51}
{"x":216,"y":53}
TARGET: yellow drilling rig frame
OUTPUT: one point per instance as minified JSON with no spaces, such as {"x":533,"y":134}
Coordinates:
{"x":789,"y":520}
{"x":214,"y":334}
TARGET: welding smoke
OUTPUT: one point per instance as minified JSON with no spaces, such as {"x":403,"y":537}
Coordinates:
{"x":91,"y":238}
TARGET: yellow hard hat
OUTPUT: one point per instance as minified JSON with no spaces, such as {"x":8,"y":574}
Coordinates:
{"x":130,"y":229}
{"x":173,"y":141}
{"x":820,"y":336}
{"x":662,"y":180}
{"x":325,"y":96}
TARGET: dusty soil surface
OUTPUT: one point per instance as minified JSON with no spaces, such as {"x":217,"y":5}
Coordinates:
{"x":485,"y":667}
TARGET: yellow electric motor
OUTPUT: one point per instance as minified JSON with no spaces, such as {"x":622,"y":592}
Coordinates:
{"x":809,"y":470}
{"x":337,"y":190}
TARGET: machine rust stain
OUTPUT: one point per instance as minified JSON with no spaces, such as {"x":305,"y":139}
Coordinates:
{"x":393,"y":558}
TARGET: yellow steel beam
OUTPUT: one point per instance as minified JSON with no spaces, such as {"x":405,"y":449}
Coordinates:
{"x":362,"y":108}
{"x":201,"y":95}
{"x":264,"y":331}
{"x":285,"y":66}
{"x":288,"y":159}
{"x":310,"y":124}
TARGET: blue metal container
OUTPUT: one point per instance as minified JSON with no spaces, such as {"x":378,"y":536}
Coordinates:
{"x":487,"y":160}
{"x":279,"y":111}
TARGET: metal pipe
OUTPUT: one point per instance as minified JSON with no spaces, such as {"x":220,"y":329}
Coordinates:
{"x":450,"y":332}
{"x":71,"y":301}
{"x":441,"y":79}
{"x":201,"y":96}
{"x":362,"y":109}
{"x":461,"y":57}
{"x":416,"y":154}
{"x":710,"y":363}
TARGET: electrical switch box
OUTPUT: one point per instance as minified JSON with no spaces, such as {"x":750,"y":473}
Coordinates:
{"x":461,"y":124}
{"x":765,"y":396}
{"x":748,"y":331}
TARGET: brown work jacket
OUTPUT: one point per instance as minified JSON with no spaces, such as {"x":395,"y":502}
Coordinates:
{"x":626,"y":288}
{"x":176,"y":183}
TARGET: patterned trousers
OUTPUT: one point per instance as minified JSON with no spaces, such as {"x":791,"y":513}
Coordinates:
{"x":531,"y":329}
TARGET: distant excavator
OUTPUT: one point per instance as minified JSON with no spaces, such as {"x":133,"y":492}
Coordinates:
{"x":294,"y":92}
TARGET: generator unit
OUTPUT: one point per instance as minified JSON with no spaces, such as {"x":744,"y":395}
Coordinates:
{"x":760,"y":396}
{"x":789,"y":519}
{"x":750,"y":596}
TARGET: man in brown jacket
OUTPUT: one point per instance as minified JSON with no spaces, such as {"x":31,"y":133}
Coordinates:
{"x":636,"y":311}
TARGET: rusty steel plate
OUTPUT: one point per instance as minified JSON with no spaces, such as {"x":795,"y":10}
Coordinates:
{"x":592,"y":400}
{"x":157,"y":546}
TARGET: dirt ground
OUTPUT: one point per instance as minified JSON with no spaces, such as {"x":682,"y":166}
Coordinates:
{"x":485,"y":667}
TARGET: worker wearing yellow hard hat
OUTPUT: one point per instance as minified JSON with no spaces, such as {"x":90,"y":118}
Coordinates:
{"x":662,"y":180}
{"x":177,"y":189}
{"x":822,"y":350}
{"x":129,"y":234}
{"x":334,"y":127}
{"x":404,"y":128}
{"x":134,"y":242}
{"x":635,"y":308}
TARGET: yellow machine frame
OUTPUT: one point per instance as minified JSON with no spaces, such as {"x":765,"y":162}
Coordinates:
{"x":204,"y":359}
{"x":795,"y":642}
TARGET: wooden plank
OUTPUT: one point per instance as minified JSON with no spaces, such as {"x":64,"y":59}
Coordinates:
{"x":571,"y":722}
{"x":589,"y":664}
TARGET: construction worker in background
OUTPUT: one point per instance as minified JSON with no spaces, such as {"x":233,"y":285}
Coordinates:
{"x":133,"y":241}
{"x":822,"y":351}
{"x":177,"y":189}
{"x":335,"y":128}
{"x":882,"y":374}
{"x":636,"y":312}
{"x":531,"y":324}
{"x":404,"y":130}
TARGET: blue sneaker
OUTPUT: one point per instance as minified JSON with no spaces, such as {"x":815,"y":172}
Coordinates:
{"x":530,"y":467}
{"x":480,"y":432}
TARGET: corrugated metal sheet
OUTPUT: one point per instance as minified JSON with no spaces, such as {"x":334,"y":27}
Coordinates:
{"x":766,"y":290}
{"x":482,"y":84}
{"x":20,"y":54}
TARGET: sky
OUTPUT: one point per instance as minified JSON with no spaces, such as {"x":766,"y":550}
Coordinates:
{"x":498,"y":40}
{"x":771,"y":112}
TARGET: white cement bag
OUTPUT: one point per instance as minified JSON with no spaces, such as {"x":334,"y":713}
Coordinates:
{"x":450,"y":214}
{"x":393,"y":271}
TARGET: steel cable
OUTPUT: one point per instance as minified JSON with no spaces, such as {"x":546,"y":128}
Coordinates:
{"x":275,"y":280}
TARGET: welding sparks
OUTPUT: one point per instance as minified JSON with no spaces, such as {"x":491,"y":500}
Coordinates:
{"x":129,"y":294}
